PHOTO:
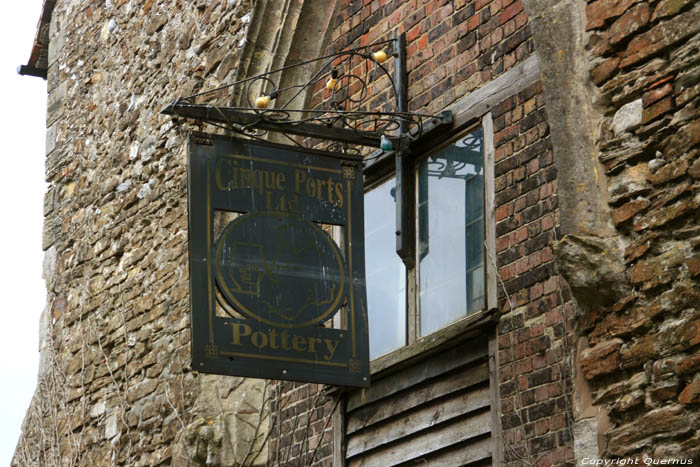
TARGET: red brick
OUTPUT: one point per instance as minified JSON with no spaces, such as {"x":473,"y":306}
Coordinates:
{"x":521,"y":234}
{"x":543,"y":461}
{"x":653,"y":95}
{"x":553,"y":317}
{"x":658,"y":109}
{"x":536,"y":291}
{"x":539,"y":362}
{"x":502,"y":212}
{"x":413,"y":33}
{"x":542,"y":393}
{"x":474,"y":22}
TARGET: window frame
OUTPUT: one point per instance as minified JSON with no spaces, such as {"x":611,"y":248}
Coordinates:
{"x":382,"y":169}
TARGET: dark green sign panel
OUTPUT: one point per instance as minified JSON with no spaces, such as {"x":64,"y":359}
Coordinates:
{"x":277,"y":262}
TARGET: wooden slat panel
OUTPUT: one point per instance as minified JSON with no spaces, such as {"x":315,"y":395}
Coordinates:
{"x":479,"y":450}
{"x":412,"y":398}
{"x":454,"y":358}
{"x":417,"y":447}
{"x":418,"y":420}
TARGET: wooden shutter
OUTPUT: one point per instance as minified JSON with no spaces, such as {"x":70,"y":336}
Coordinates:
{"x":438,"y":410}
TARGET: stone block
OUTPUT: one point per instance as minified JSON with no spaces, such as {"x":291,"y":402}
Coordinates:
{"x":51,"y":232}
{"x":600,"y":11}
{"x":619,"y":324}
{"x":690,"y":394}
{"x":665,"y":214}
{"x":56,"y":103}
{"x":628,"y":210}
{"x":58,"y":38}
{"x":634,"y":19}
{"x":628,"y":117}
{"x":694,"y":170}
{"x":694,"y":265}
{"x":628,"y":401}
{"x":639,"y":247}
{"x":603,"y":71}
{"x":665,"y":420}
{"x":586,"y":439}
{"x":617,"y":389}
{"x":667,"y":8}
{"x":664,"y":391}
{"x":656,"y":271}
{"x":664,"y":34}
{"x":682,"y":140}
{"x":51,"y":133}
{"x":601,"y":359}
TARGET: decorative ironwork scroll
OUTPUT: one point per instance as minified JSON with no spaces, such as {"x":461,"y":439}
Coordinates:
{"x":276,"y":262}
{"x":365,"y":104}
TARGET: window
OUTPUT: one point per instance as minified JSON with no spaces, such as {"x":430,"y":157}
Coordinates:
{"x":448,"y":281}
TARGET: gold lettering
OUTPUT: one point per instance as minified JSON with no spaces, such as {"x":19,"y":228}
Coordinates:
{"x":280,"y":181}
{"x":310,"y":188}
{"x":312,"y":343}
{"x":240,"y":330}
{"x":246,"y":178}
{"x":299,"y":343}
{"x":339,"y":193}
{"x":259,"y":339}
{"x":273,"y":339}
{"x":285,"y":341}
{"x":299,"y":179}
{"x":329,"y":184}
{"x":220,"y":177}
{"x":331,"y":345}
{"x":319,"y":190}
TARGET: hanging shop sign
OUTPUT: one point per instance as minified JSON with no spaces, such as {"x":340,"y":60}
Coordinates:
{"x":276,"y":262}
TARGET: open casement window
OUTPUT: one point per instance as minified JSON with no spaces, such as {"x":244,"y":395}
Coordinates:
{"x":432,"y":333}
{"x":448,"y":281}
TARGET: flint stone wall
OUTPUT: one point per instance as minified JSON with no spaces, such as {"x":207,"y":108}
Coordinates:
{"x":115,"y":387}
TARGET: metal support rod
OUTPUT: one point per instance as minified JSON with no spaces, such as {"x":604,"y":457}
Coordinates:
{"x":229,"y":116}
{"x":405,"y":201}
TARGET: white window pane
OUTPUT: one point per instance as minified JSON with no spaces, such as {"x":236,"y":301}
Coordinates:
{"x":385,"y":272}
{"x":451,"y":233}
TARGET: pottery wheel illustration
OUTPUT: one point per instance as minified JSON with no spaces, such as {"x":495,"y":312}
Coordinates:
{"x":280,"y":269}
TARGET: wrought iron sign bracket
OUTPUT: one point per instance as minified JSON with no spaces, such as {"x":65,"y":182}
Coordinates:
{"x":344,"y":118}
{"x":237,"y":118}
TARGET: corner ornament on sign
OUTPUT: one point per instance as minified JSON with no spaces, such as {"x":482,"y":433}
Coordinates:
{"x":276,"y":262}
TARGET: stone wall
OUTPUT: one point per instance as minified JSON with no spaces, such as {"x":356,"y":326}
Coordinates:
{"x":115,"y":385}
{"x":640,"y":356}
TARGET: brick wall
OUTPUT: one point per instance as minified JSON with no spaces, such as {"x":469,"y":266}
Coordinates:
{"x":453,"y":49}
{"x":641,"y":360}
{"x":534,"y":336}
{"x":302,"y":428}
